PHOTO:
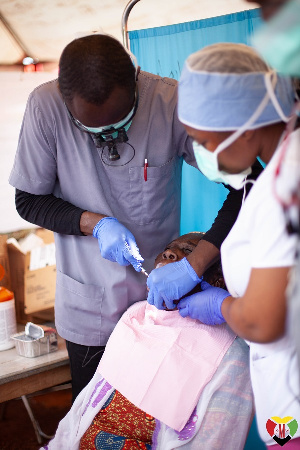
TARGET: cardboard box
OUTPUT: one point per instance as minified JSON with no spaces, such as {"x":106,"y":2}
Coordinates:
{"x":34,"y":288}
{"x":4,"y":262}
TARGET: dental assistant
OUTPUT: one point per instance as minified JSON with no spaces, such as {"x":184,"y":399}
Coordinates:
{"x":258,"y":253}
{"x":80,"y":171}
{"x":278,"y":41}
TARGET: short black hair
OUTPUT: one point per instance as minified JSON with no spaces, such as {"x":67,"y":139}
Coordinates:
{"x":92,"y":66}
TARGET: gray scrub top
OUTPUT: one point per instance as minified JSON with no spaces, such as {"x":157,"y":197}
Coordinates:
{"x":54,"y":157}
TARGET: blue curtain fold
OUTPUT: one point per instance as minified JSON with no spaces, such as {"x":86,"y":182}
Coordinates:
{"x":163,"y":50}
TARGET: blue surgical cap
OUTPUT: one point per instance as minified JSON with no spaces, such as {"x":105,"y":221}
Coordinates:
{"x":225,"y":101}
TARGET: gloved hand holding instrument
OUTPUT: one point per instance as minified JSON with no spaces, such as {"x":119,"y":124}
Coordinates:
{"x":117,"y":243}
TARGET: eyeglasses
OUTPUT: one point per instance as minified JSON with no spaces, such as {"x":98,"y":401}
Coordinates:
{"x":110,"y":137}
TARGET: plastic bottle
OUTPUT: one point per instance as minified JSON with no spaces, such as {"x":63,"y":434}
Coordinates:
{"x":8,"y":324}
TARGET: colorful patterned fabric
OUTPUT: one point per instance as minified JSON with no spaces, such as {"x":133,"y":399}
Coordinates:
{"x":119,"y":425}
{"x":221,"y":419}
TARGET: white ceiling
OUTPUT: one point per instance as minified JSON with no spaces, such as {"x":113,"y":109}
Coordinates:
{"x":46,"y":26}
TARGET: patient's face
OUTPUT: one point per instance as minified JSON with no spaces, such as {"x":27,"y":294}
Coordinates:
{"x":183,"y":246}
{"x":178,"y":249}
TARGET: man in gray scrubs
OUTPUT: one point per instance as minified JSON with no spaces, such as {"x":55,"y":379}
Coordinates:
{"x":109,"y":200}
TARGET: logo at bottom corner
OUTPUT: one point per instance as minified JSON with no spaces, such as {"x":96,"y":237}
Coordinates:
{"x":282,"y":430}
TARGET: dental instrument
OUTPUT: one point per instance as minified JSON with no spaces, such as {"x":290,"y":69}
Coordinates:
{"x":144,"y":272}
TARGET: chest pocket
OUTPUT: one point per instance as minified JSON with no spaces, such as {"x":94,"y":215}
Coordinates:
{"x":153,"y":200}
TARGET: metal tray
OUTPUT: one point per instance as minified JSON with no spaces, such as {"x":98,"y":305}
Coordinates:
{"x":37,"y":340}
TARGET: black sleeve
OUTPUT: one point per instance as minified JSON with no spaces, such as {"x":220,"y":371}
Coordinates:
{"x":49,"y":212}
{"x":228,"y":213}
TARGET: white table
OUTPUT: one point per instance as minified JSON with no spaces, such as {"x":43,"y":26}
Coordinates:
{"x":22,"y":376}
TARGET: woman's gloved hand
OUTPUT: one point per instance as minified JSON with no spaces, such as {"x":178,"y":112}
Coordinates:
{"x":171,"y":282}
{"x":117,"y":244}
{"x":204,"y":306}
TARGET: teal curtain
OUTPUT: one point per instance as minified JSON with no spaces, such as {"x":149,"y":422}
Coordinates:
{"x":163,"y":50}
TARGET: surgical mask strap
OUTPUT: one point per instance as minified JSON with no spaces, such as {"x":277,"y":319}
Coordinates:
{"x":270,"y":89}
{"x":233,"y":137}
{"x":249,"y":181}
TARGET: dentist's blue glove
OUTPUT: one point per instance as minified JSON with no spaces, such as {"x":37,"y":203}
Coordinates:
{"x":171,"y":282}
{"x":204,"y":306}
{"x":117,"y":244}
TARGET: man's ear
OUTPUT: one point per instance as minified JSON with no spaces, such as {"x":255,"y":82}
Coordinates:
{"x":219,"y":282}
{"x":137,"y":72}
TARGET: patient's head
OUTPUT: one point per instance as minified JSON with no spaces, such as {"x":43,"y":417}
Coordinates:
{"x":178,"y":249}
{"x":183,"y":246}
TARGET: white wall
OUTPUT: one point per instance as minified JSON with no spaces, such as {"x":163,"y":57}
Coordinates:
{"x":14,"y":90}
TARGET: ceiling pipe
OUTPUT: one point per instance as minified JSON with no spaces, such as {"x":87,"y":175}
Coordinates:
{"x":125,"y":16}
{"x":16,"y":38}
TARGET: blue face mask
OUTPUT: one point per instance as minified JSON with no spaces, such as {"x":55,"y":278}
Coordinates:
{"x":208,"y":164}
{"x":208,"y":161}
{"x":278,"y":40}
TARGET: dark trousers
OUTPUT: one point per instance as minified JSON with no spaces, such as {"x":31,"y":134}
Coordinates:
{"x":84,"y":361}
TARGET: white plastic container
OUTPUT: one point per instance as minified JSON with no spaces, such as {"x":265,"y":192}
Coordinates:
{"x":8,"y":324}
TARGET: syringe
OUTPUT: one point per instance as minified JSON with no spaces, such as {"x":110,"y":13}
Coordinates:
{"x":144,"y":272}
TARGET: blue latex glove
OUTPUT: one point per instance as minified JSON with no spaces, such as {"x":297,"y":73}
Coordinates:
{"x":117,"y":244}
{"x":171,"y":282}
{"x":204,"y":306}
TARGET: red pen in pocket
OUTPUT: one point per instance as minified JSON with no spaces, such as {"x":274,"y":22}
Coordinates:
{"x":145,"y":169}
